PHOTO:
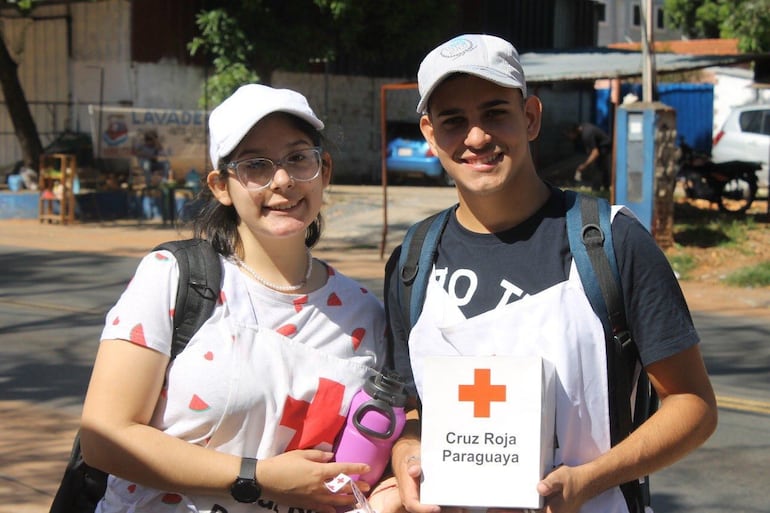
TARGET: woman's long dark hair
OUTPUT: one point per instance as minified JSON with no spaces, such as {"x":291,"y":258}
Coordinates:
{"x":218,"y":223}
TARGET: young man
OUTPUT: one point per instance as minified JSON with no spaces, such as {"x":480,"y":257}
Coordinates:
{"x":504,"y":258}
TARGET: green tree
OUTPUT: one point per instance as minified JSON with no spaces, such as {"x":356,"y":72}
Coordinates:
{"x":751,"y":25}
{"x":246,"y":41}
{"x":746,"y":20}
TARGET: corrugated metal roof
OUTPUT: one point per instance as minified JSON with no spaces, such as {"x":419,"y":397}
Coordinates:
{"x":595,"y":64}
{"x":686,"y":46}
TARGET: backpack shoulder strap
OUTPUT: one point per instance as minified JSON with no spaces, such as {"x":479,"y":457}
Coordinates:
{"x":416,"y":260}
{"x":200,"y":279}
{"x":589,"y":229}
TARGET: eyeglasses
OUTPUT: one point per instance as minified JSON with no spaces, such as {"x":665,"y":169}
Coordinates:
{"x":257,"y":173}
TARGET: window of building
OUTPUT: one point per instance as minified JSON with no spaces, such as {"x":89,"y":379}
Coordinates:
{"x":660,"y":22}
{"x":637,"y":21}
{"x":601,"y":12}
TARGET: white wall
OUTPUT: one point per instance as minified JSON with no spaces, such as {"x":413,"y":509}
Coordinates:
{"x":732,"y":87}
{"x":100,"y":69}
{"x":618,"y":26}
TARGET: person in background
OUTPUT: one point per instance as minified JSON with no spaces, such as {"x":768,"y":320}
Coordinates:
{"x":597,"y":145}
{"x":244,"y":418}
{"x":151,"y":157}
{"x":503,"y":271}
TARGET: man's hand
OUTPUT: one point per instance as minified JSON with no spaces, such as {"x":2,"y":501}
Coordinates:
{"x":561,"y":490}
{"x":405,"y":463}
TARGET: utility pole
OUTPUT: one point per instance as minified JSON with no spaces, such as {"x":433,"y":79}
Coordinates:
{"x":648,"y":53}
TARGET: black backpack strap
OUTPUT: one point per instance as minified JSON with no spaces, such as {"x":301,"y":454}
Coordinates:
{"x":589,"y":229}
{"x":416,"y":260}
{"x":200,"y":281}
{"x":81,"y":487}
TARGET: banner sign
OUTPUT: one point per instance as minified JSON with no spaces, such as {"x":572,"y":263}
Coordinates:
{"x":119,"y":132}
{"x":487,"y":430}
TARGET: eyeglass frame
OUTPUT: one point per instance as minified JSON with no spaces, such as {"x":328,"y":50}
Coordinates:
{"x":232,"y":167}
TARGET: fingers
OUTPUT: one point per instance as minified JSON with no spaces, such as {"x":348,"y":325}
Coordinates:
{"x":316,"y":455}
{"x":410,"y":489}
{"x":414,"y":466}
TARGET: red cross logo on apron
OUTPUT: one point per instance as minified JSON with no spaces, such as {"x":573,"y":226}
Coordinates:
{"x":315,"y":422}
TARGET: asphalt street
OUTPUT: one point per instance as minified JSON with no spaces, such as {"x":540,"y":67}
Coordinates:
{"x":52,"y":307}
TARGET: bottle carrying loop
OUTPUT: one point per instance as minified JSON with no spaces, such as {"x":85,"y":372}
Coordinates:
{"x":381,"y":407}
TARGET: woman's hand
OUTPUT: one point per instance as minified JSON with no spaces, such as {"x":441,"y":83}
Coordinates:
{"x":385,"y":497}
{"x":298,"y":478}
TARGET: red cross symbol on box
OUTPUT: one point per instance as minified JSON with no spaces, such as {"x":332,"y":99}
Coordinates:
{"x":315,"y":422}
{"x":482,"y":392}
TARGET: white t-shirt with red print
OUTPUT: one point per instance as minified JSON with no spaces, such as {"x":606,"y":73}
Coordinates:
{"x":267,"y":373}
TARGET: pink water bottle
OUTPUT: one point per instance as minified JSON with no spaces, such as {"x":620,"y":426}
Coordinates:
{"x":375,"y":421}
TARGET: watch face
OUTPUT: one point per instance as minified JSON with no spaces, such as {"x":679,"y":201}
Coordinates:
{"x":245,"y":490}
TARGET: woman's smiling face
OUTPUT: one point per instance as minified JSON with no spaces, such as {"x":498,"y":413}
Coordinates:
{"x":286,"y":207}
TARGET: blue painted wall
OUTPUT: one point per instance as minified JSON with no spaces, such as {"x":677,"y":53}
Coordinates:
{"x":693,"y":103}
{"x":91,"y":206}
{"x":18,"y":205}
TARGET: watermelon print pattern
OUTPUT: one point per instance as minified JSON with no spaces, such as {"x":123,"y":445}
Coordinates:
{"x":357,"y":337}
{"x":287,"y":330}
{"x":299,"y":303}
{"x":137,"y":335}
{"x":171,"y":498}
{"x":197,"y":404}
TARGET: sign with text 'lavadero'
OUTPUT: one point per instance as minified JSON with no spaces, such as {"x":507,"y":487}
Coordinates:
{"x":119,"y":133}
{"x":487,"y":430}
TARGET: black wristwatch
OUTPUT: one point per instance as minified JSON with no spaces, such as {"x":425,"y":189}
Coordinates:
{"x":245,"y":488}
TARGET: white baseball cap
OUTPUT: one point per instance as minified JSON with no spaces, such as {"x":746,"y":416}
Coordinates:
{"x":487,"y":57}
{"x":233,"y":118}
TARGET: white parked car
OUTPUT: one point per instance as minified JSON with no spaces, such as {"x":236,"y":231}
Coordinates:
{"x":745,"y":135}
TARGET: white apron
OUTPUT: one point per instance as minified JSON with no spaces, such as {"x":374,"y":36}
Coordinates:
{"x":558,"y":325}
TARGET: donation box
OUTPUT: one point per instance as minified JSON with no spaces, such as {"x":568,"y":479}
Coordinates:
{"x":645,"y":164}
{"x":488,"y":427}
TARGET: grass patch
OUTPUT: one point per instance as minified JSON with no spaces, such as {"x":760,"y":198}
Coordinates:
{"x":712,"y":233}
{"x":682,"y":264}
{"x":755,"y":276}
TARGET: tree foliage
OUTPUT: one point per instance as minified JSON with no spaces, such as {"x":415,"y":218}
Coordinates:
{"x":246,"y":41}
{"x":746,"y":20}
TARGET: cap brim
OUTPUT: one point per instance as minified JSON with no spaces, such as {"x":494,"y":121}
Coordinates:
{"x":488,"y":74}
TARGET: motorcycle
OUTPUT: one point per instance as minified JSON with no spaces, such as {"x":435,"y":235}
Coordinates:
{"x":731,"y":185}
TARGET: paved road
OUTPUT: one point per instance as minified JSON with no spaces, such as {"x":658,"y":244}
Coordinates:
{"x":57,"y":288}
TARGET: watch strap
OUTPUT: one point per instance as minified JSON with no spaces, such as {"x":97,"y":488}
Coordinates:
{"x":248,"y":469}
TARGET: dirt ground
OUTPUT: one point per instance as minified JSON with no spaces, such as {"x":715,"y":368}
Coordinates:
{"x":715,"y":259}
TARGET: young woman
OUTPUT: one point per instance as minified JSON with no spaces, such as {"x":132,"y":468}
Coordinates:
{"x":245,"y":417}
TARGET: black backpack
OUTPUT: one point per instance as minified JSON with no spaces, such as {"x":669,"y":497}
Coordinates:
{"x":200,"y":277}
{"x":590,"y":238}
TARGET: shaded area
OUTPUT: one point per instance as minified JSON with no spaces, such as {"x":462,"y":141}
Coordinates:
{"x":52,"y":309}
